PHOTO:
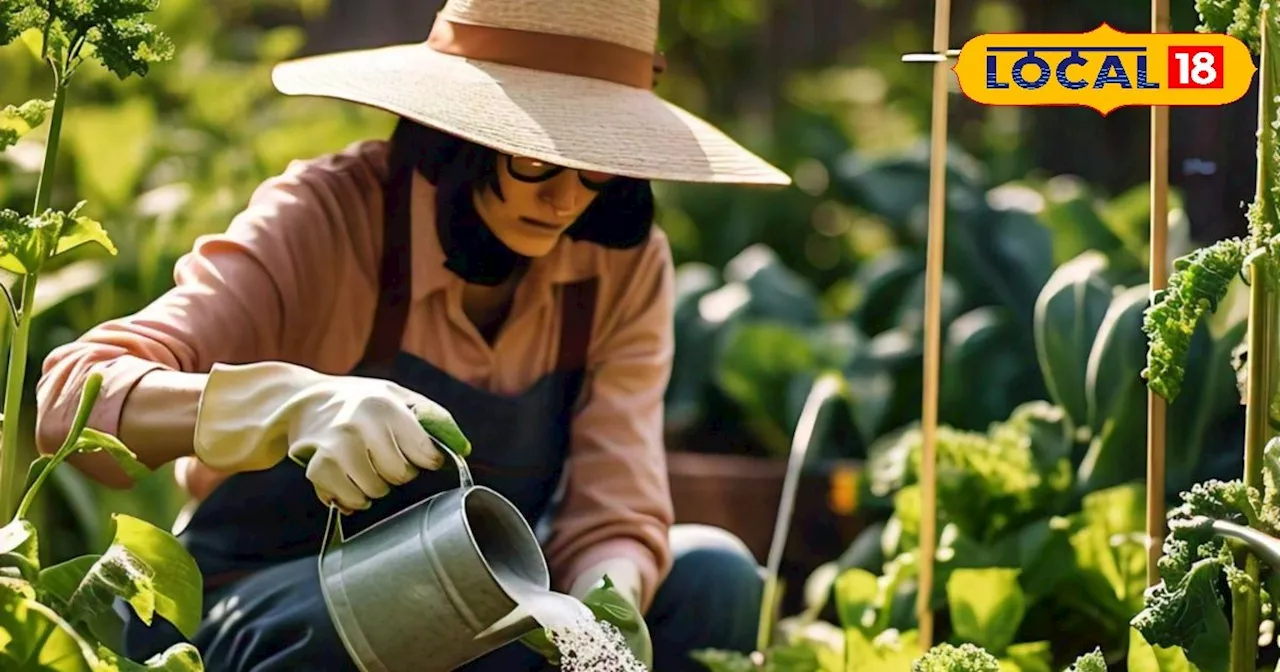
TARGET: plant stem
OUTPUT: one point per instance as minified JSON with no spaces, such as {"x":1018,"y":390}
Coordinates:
{"x":90,"y":396}
{"x":11,"y":477}
{"x":1245,"y":610}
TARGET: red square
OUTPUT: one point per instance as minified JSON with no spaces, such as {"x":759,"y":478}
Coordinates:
{"x":1195,"y":67}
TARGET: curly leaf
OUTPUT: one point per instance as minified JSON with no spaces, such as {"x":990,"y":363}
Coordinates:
{"x":1190,"y":615}
{"x":1090,"y":662}
{"x":1198,"y":283}
{"x":950,"y":658}
{"x":16,"y":122}
{"x":16,"y":16}
{"x":25,"y":242}
{"x":1237,"y":18}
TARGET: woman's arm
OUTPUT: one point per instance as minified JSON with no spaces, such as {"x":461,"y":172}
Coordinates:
{"x":257,"y":292}
{"x":617,"y":503}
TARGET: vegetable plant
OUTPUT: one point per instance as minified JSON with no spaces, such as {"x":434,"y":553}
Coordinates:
{"x":60,"y":617}
{"x":1214,"y":595}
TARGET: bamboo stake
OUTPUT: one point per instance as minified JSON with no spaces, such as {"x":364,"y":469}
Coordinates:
{"x":1158,"y":279}
{"x":933,"y":318}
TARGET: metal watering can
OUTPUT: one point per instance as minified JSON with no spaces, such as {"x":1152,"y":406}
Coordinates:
{"x":451,"y":563}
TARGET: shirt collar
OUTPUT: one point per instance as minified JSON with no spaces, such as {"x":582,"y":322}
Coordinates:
{"x":567,"y":262}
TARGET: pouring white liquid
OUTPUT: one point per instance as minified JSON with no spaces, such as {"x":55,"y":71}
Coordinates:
{"x":585,"y":643}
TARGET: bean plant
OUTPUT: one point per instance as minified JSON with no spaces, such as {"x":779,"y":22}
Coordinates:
{"x":61,"y":618}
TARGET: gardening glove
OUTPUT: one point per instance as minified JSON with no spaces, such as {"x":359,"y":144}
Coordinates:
{"x":611,"y":601}
{"x":355,"y":436}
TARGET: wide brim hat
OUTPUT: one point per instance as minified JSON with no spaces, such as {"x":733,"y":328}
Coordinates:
{"x":567,"y":81}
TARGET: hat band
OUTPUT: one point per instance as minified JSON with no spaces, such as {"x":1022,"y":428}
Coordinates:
{"x":563,"y":54}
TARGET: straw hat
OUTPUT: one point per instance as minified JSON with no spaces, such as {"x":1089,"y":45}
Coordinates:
{"x":564,"y":81}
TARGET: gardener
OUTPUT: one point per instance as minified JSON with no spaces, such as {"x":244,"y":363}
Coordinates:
{"x":496,"y":258}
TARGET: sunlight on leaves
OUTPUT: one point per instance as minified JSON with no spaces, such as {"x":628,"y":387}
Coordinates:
{"x":16,"y":122}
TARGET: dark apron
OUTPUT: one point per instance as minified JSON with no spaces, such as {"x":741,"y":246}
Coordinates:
{"x":257,"y":520}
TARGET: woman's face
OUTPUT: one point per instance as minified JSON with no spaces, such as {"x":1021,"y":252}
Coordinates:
{"x":539,"y":201}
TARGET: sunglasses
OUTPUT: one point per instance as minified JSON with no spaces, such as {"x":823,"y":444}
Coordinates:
{"x":527,"y":169}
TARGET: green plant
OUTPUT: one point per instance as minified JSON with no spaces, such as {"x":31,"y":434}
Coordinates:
{"x":61,"y":617}
{"x":1211,"y":587}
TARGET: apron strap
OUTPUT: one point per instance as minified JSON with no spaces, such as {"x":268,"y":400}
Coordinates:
{"x":576,"y":316}
{"x":395,"y":276}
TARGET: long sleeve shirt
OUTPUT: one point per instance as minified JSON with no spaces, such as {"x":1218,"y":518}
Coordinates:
{"x":295,"y":277}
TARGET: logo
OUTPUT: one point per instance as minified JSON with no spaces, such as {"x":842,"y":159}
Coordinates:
{"x":1104,"y":69}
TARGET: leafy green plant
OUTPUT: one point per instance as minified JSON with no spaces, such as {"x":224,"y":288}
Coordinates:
{"x":1213,"y":595}
{"x":61,"y":617}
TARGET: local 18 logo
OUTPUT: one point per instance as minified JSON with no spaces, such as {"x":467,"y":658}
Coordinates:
{"x":1104,"y":69}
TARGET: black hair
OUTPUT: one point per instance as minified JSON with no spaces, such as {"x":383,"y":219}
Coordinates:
{"x":620,"y":217}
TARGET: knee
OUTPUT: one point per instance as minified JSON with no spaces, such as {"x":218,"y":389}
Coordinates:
{"x":715,"y":568}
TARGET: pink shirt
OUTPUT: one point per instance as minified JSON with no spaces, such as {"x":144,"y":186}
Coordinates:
{"x":294,"y":278}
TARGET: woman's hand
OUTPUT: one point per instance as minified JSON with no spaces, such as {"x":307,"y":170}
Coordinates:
{"x":356,"y":437}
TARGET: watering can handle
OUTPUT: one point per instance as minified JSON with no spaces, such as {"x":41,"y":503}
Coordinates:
{"x":333,"y":535}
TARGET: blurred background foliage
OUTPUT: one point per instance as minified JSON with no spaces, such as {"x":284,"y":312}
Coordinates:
{"x":774,"y":286}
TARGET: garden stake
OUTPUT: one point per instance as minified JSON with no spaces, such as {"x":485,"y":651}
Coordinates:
{"x":932,"y":319}
{"x":1158,"y":279}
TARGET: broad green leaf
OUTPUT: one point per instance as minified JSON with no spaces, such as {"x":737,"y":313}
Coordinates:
{"x":1109,"y":549}
{"x":58,"y":585}
{"x":977,"y":347}
{"x":116,"y":573}
{"x":20,"y":538}
{"x":858,"y":600}
{"x":1031,"y":656}
{"x":777,"y":293}
{"x":62,"y":579}
{"x":1068,"y":315}
{"x":756,"y":368}
{"x":16,"y":122}
{"x":174,"y":575}
{"x":1143,"y":657}
{"x":92,"y":441}
{"x":883,"y":282}
{"x":33,"y":638}
{"x":1117,"y":356}
{"x":177,"y":658}
{"x":888,"y":652}
{"x":987,"y":606}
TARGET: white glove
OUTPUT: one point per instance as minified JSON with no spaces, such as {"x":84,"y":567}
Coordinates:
{"x":356,"y":436}
{"x":622,"y":572}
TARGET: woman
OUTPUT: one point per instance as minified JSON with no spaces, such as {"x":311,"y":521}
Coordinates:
{"x":493,"y":268}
